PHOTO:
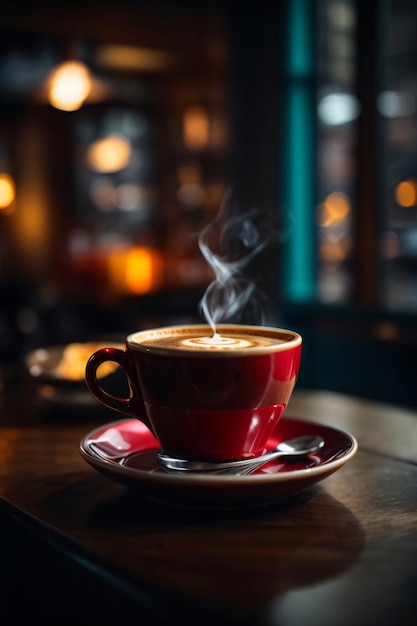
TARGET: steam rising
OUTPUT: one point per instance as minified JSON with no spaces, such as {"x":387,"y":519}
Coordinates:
{"x":229,"y":243}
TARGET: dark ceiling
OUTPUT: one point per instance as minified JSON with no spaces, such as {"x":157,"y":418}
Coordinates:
{"x":179,"y":25}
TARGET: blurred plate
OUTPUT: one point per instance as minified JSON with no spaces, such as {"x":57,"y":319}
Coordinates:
{"x":64,"y":365}
{"x":58,"y":373}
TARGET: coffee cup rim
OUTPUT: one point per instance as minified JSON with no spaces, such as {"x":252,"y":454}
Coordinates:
{"x":133,"y":343}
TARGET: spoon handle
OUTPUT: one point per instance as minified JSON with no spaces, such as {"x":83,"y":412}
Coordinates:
{"x":223,"y":467}
{"x":248,"y":468}
{"x":298,"y":447}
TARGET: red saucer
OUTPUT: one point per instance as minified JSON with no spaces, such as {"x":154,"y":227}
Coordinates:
{"x":125,"y":451}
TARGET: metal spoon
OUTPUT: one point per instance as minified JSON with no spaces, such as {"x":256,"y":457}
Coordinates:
{"x":300,"y":446}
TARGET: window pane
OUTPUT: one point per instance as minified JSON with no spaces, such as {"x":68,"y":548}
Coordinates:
{"x":337,"y":110}
{"x":398,"y":106}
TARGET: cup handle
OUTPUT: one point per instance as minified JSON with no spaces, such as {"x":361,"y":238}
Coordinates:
{"x":133,"y":405}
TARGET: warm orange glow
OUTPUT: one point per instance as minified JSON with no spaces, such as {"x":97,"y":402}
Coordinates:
{"x":70,"y":85}
{"x":335,"y":208}
{"x":132,"y":58}
{"x":196,"y":128}
{"x":32,"y":222}
{"x":406,"y":193}
{"x":139,"y":270}
{"x":334,"y":252}
{"x":32,"y":225}
{"x":7,"y":191}
{"x":189,"y":172}
{"x":136,"y":270}
{"x":110,"y":154}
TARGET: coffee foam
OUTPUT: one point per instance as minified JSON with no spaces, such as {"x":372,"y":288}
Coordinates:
{"x":201,"y":339}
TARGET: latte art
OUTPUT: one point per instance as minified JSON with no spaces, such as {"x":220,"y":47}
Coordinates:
{"x":201,"y":339}
{"x":217,"y":342}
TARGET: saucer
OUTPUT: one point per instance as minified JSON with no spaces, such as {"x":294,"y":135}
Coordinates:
{"x":124,"y":451}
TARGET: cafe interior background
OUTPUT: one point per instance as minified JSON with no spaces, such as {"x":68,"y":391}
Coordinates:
{"x":304,"y":110}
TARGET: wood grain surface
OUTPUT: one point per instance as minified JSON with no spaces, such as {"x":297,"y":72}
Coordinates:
{"x":342,"y":552}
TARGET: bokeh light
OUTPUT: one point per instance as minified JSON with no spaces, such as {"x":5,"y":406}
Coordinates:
{"x":137,"y":270}
{"x":335,"y":208}
{"x":7,"y":191}
{"x":70,"y":85}
{"x":110,"y":154}
{"x":406,"y":193}
{"x":196,"y":128}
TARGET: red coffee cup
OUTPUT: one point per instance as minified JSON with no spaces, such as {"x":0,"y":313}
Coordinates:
{"x":205,"y":397}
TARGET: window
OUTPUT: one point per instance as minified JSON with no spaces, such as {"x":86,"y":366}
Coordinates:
{"x":350,"y":181}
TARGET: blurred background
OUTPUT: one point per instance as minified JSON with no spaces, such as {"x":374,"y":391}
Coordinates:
{"x":123,"y":128}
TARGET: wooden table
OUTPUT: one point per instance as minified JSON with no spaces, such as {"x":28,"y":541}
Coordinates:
{"x":77,"y":547}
